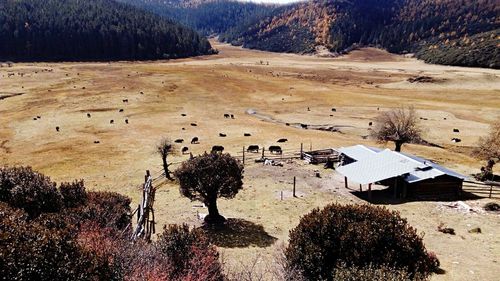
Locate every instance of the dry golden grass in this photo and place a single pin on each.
(358, 86)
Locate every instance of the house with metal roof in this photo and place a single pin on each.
(406, 174)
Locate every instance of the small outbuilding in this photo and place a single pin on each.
(408, 175)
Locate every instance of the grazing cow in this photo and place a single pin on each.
(217, 148)
(222, 135)
(334, 109)
(183, 114)
(121, 110)
(275, 149)
(444, 118)
(88, 115)
(308, 109)
(83, 88)
(282, 140)
(232, 116)
(183, 129)
(125, 100)
(111, 121)
(288, 124)
(34, 118)
(331, 115)
(57, 128)
(126, 121)
(96, 142)
(226, 115)
(247, 134)
(253, 148)
(456, 140)
(142, 93)
(179, 141)
(371, 123)
(194, 124)
(38, 116)
(456, 131)
(184, 150)
(195, 140)
(304, 126)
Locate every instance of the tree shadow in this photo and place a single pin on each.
(238, 233)
(386, 197)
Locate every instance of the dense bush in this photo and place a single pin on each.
(107, 209)
(86, 239)
(73, 194)
(189, 250)
(24, 188)
(36, 250)
(356, 235)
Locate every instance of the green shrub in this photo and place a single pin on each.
(190, 253)
(359, 236)
(73, 194)
(21, 187)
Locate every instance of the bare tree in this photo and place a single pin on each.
(165, 148)
(208, 177)
(488, 148)
(399, 126)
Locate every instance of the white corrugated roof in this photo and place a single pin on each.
(372, 167)
(359, 151)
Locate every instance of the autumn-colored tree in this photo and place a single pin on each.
(208, 177)
(164, 148)
(488, 148)
(399, 126)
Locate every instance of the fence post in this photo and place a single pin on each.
(243, 155)
(345, 182)
(301, 151)
(282, 195)
(294, 187)
(263, 148)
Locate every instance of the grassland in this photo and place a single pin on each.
(280, 87)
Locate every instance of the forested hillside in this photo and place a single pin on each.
(73, 30)
(448, 29)
(207, 17)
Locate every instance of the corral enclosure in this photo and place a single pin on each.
(100, 122)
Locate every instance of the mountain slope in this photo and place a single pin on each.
(55, 30)
(399, 26)
(205, 16)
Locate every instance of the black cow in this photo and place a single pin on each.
(111, 121)
(232, 116)
(275, 149)
(304, 126)
(121, 110)
(88, 115)
(194, 124)
(184, 149)
(226, 115)
(253, 148)
(334, 109)
(371, 123)
(125, 100)
(217, 148)
(183, 114)
(179, 141)
(96, 142)
(195, 140)
(456, 131)
(57, 128)
(126, 121)
(247, 134)
(222, 135)
(282, 140)
(456, 140)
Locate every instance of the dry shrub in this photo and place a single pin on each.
(356, 236)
